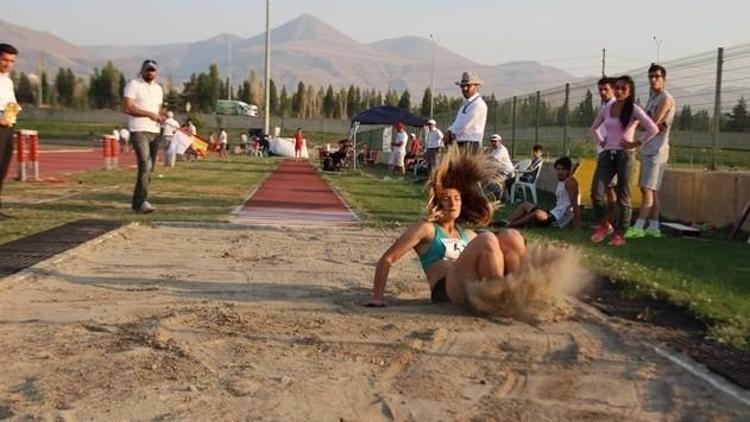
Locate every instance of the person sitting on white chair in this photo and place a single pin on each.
(527, 172)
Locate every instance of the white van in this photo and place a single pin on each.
(231, 107)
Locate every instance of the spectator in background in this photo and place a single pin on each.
(8, 108)
(620, 119)
(434, 145)
(530, 173)
(415, 147)
(191, 127)
(499, 154)
(654, 154)
(607, 95)
(244, 144)
(299, 142)
(143, 99)
(398, 149)
(566, 208)
(124, 137)
(223, 141)
(170, 127)
(536, 161)
(468, 127)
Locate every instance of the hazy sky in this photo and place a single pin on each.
(567, 34)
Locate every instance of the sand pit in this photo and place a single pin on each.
(228, 323)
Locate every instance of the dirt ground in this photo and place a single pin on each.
(230, 323)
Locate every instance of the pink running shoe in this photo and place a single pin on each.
(601, 233)
(617, 240)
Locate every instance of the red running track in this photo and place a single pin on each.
(54, 162)
(295, 194)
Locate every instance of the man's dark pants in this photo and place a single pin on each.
(609, 164)
(6, 155)
(145, 145)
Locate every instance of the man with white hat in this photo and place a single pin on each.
(143, 102)
(434, 145)
(468, 128)
(499, 155)
(170, 127)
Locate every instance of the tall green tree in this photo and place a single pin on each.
(284, 103)
(273, 98)
(299, 102)
(65, 86)
(24, 91)
(405, 101)
(426, 101)
(739, 120)
(685, 118)
(329, 102)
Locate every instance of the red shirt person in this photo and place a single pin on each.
(299, 141)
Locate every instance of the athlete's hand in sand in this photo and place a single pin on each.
(373, 304)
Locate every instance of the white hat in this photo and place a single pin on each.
(412, 135)
(469, 78)
(496, 137)
(431, 122)
(170, 114)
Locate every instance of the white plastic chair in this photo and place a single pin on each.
(522, 168)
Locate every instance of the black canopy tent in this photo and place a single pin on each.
(383, 115)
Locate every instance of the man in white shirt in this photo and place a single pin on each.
(398, 148)
(223, 141)
(433, 145)
(143, 101)
(170, 127)
(468, 128)
(8, 55)
(499, 154)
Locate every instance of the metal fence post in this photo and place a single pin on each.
(513, 128)
(566, 119)
(717, 107)
(536, 124)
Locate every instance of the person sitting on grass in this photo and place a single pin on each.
(566, 204)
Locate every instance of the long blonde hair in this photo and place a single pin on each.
(464, 171)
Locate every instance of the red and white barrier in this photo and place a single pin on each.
(33, 137)
(21, 155)
(108, 142)
(115, 152)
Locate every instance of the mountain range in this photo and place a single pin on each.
(305, 48)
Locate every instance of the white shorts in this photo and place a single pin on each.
(652, 172)
(397, 158)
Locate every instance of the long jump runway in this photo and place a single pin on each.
(295, 195)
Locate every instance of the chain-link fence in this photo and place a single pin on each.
(711, 127)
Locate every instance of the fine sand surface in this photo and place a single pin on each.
(231, 323)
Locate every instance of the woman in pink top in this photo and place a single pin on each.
(620, 120)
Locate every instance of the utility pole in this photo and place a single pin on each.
(432, 79)
(717, 107)
(40, 95)
(604, 62)
(658, 43)
(229, 54)
(267, 111)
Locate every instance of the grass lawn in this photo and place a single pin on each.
(196, 191)
(709, 275)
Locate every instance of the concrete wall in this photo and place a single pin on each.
(715, 197)
(209, 120)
